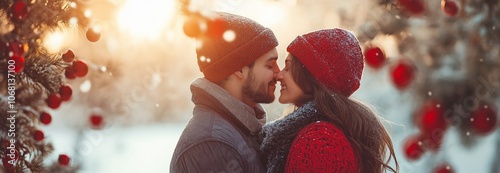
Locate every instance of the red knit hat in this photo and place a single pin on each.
(219, 58)
(332, 56)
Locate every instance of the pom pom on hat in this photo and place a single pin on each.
(332, 56)
(219, 57)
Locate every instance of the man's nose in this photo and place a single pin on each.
(278, 76)
(276, 69)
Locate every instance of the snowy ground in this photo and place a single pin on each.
(149, 148)
(144, 148)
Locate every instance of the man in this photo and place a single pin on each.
(239, 74)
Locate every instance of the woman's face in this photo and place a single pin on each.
(290, 92)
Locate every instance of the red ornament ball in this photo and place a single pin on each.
(413, 148)
(93, 34)
(19, 10)
(96, 120)
(54, 101)
(63, 159)
(402, 74)
(38, 135)
(431, 121)
(10, 158)
(80, 68)
(8, 164)
(484, 119)
(443, 168)
(216, 27)
(17, 48)
(17, 63)
(65, 91)
(45, 118)
(449, 7)
(68, 72)
(413, 6)
(432, 117)
(374, 57)
(192, 26)
(69, 56)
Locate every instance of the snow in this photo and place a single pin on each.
(143, 148)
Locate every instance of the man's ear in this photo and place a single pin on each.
(239, 74)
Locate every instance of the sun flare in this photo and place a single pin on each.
(54, 41)
(146, 18)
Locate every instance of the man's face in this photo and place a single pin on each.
(260, 82)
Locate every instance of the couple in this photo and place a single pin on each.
(327, 132)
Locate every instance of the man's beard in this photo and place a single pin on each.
(259, 93)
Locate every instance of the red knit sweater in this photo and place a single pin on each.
(321, 147)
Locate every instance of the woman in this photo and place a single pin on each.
(328, 131)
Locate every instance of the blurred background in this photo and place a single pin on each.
(103, 85)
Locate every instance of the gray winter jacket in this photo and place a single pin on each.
(222, 135)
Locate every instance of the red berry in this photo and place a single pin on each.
(374, 57)
(54, 101)
(80, 68)
(484, 119)
(19, 10)
(8, 163)
(69, 56)
(402, 74)
(449, 7)
(17, 48)
(413, 6)
(431, 120)
(413, 148)
(18, 63)
(96, 120)
(63, 159)
(68, 72)
(45, 118)
(10, 157)
(65, 91)
(443, 168)
(38, 135)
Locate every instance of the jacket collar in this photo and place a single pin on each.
(244, 113)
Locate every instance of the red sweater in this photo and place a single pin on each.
(321, 147)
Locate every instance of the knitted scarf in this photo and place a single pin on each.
(280, 134)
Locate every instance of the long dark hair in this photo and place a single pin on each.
(361, 126)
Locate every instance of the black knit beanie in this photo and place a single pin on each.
(219, 55)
